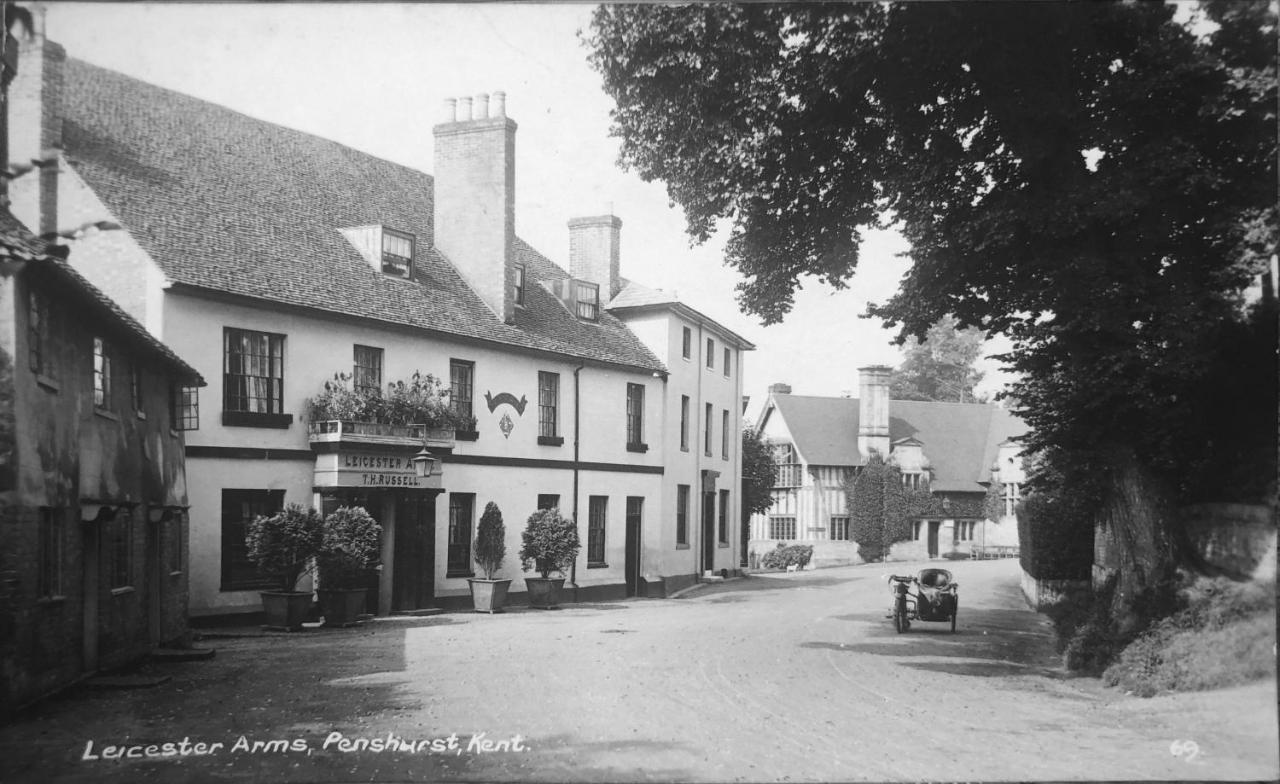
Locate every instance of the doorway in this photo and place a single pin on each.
(414, 559)
(635, 508)
(934, 525)
(708, 531)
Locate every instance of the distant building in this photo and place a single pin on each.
(955, 450)
(274, 259)
(93, 494)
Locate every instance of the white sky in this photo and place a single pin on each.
(373, 76)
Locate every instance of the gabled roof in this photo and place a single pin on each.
(226, 203)
(961, 440)
(19, 246)
(635, 298)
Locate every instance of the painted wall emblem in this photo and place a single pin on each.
(506, 424)
(506, 397)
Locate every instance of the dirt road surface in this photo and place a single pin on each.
(779, 677)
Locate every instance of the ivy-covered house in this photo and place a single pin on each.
(275, 260)
(960, 462)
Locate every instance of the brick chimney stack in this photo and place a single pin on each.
(594, 252)
(873, 410)
(779, 389)
(475, 188)
(35, 128)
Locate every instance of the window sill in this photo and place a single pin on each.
(106, 414)
(597, 566)
(684, 449)
(48, 383)
(639, 447)
(121, 591)
(723, 544)
(173, 433)
(680, 546)
(551, 440)
(176, 574)
(466, 435)
(141, 415)
(453, 575)
(256, 419)
(51, 601)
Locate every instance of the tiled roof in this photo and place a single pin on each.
(637, 297)
(959, 439)
(225, 202)
(19, 245)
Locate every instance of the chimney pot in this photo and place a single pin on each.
(480, 108)
(449, 110)
(498, 105)
(464, 109)
(780, 389)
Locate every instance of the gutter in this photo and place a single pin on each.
(577, 412)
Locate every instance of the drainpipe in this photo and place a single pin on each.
(698, 411)
(577, 410)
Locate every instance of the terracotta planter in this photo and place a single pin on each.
(544, 592)
(488, 595)
(342, 606)
(285, 610)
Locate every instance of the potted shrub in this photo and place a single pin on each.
(550, 544)
(283, 546)
(349, 545)
(487, 594)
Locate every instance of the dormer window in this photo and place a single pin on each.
(588, 299)
(518, 289)
(397, 253)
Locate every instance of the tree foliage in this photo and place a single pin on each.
(758, 473)
(1095, 181)
(549, 542)
(282, 545)
(941, 366)
(350, 546)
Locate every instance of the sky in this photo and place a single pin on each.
(374, 76)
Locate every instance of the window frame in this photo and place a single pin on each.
(392, 268)
(49, 553)
(838, 523)
(687, 343)
(785, 523)
(103, 400)
(635, 418)
(458, 558)
(231, 570)
(597, 523)
(728, 360)
(548, 498)
(724, 434)
(586, 309)
(136, 397)
(184, 407)
(684, 423)
(40, 330)
(711, 353)
(361, 371)
(682, 515)
(519, 276)
(549, 409)
(246, 414)
(708, 414)
(462, 404)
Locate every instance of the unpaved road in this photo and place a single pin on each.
(786, 677)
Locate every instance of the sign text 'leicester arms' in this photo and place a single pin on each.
(362, 469)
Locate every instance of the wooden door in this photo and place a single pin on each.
(635, 509)
(413, 578)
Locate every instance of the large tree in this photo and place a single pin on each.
(1095, 181)
(940, 367)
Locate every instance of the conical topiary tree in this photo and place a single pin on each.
(491, 544)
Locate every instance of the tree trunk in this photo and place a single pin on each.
(1140, 519)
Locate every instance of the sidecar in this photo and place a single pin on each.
(935, 599)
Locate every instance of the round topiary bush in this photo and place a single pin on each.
(283, 544)
(550, 542)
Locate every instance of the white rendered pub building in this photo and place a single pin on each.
(272, 259)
